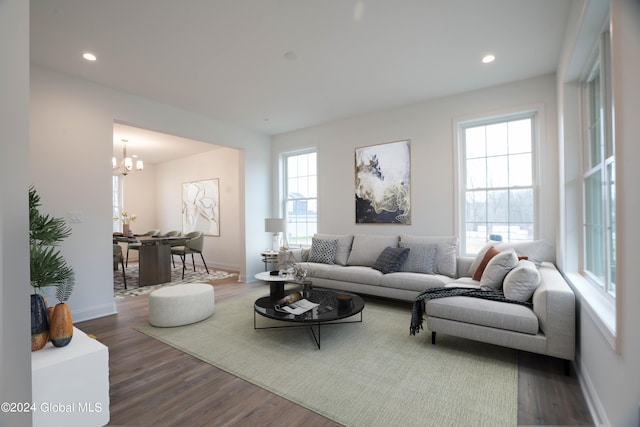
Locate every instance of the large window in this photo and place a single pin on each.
(301, 197)
(598, 177)
(497, 180)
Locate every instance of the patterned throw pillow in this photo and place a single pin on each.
(323, 251)
(421, 259)
(391, 259)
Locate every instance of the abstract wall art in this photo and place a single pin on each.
(383, 183)
(201, 207)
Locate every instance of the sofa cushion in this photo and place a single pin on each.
(391, 259)
(416, 282)
(488, 254)
(355, 274)
(493, 314)
(421, 259)
(520, 283)
(323, 251)
(344, 246)
(366, 248)
(497, 269)
(536, 251)
(446, 252)
(318, 270)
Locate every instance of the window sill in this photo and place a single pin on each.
(598, 307)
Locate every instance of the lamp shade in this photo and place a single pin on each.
(275, 225)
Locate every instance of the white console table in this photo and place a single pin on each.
(70, 385)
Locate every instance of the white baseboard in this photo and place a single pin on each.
(94, 312)
(591, 396)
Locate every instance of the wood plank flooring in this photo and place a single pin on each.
(153, 384)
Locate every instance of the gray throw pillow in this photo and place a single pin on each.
(421, 259)
(344, 246)
(391, 259)
(497, 269)
(323, 251)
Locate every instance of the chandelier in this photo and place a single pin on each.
(125, 165)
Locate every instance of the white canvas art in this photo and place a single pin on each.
(383, 183)
(201, 207)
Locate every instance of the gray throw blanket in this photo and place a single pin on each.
(433, 293)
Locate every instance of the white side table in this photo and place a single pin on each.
(70, 385)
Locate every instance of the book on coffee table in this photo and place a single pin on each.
(298, 307)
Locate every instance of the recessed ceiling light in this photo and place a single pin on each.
(488, 58)
(89, 56)
(291, 55)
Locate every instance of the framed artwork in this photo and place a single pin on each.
(201, 207)
(383, 183)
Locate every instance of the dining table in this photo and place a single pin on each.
(154, 262)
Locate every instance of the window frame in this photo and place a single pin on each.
(533, 113)
(284, 157)
(600, 63)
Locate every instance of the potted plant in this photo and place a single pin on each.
(47, 268)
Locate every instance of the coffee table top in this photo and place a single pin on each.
(327, 311)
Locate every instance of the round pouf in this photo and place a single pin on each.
(180, 304)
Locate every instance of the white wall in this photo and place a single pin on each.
(610, 369)
(430, 127)
(71, 144)
(222, 251)
(15, 360)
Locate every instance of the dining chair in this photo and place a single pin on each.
(136, 246)
(119, 259)
(172, 243)
(193, 245)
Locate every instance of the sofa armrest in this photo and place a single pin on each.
(297, 255)
(554, 304)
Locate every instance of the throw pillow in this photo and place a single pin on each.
(521, 282)
(391, 259)
(344, 246)
(323, 251)
(446, 252)
(479, 256)
(497, 269)
(421, 259)
(488, 254)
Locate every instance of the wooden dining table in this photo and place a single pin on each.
(154, 262)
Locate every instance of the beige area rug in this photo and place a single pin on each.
(366, 374)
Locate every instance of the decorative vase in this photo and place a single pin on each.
(61, 328)
(125, 230)
(39, 322)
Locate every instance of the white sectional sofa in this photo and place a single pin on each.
(354, 263)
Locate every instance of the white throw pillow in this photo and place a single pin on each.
(497, 269)
(521, 282)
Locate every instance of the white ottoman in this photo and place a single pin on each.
(181, 304)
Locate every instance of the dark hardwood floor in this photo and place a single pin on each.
(153, 384)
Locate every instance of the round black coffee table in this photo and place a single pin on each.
(329, 311)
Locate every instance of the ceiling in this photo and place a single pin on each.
(275, 66)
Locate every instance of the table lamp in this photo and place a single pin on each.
(275, 226)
